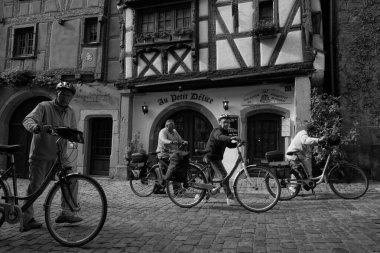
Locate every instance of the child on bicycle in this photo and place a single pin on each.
(302, 144)
(218, 141)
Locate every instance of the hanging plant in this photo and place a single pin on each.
(45, 80)
(16, 78)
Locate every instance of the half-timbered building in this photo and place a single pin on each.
(192, 60)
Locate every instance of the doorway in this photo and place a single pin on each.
(19, 135)
(193, 127)
(263, 135)
(100, 143)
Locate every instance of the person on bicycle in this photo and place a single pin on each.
(168, 143)
(303, 144)
(216, 144)
(43, 150)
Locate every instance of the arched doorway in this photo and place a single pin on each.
(263, 135)
(193, 127)
(18, 134)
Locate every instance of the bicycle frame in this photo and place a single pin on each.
(30, 199)
(314, 181)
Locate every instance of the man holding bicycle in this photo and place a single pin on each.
(43, 151)
(216, 144)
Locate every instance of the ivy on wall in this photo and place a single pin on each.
(360, 78)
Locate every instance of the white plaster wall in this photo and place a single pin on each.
(203, 8)
(203, 59)
(291, 51)
(302, 95)
(203, 31)
(128, 67)
(315, 5)
(143, 122)
(245, 17)
(128, 17)
(225, 13)
(128, 42)
(284, 7)
(297, 18)
(266, 49)
(225, 58)
(245, 47)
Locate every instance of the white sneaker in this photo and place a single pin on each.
(230, 202)
(197, 197)
(292, 189)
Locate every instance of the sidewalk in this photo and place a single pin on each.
(321, 223)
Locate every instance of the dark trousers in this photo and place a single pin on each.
(218, 167)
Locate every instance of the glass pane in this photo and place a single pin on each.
(151, 27)
(151, 18)
(266, 11)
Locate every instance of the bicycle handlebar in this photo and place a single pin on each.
(67, 133)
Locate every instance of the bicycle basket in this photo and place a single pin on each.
(139, 157)
(274, 156)
(69, 134)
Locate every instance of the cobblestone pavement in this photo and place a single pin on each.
(321, 223)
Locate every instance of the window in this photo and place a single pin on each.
(91, 31)
(266, 12)
(24, 39)
(164, 22)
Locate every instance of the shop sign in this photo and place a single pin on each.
(234, 125)
(192, 96)
(267, 96)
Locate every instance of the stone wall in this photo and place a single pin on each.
(358, 47)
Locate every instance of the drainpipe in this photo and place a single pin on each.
(332, 47)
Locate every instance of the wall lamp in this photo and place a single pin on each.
(144, 109)
(225, 104)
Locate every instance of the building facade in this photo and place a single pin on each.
(192, 60)
(76, 41)
(357, 75)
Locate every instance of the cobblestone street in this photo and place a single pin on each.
(321, 223)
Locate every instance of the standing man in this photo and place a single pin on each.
(43, 151)
(216, 144)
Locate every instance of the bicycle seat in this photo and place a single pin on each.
(10, 148)
(202, 151)
(291, 153)
(153, 153)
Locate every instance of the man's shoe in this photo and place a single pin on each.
(32, 224)
(197, 197)
(68, 219)
(231, 202)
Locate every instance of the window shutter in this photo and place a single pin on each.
(34, 49)
(11, 41)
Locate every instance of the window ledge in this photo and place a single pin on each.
(166, 42)
(23, 57)
(92, 44)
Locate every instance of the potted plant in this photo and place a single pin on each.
(265, 28)
(182, 34)
(145, 38)
(162, 36)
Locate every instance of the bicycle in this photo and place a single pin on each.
(345, 179)
(249, 185)
(80, 194)
(145, 174)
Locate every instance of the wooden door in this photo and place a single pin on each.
(263, 135)
(100, 144)
(193, 127)
(19, 135)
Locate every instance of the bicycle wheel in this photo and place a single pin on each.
(348, 181)
(187, 196)
(3, 199)
(289, 187)
(143, 187)
(251, 190)
(89, 200)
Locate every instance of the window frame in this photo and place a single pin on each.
(98, 41)
(173, 13)
(275, 19)
(13, 41)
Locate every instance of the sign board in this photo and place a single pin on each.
(285, 127)
(267, 96)
(233, 129)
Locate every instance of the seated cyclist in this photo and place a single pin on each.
(216, 144)
(303, 144)
(168, 140)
